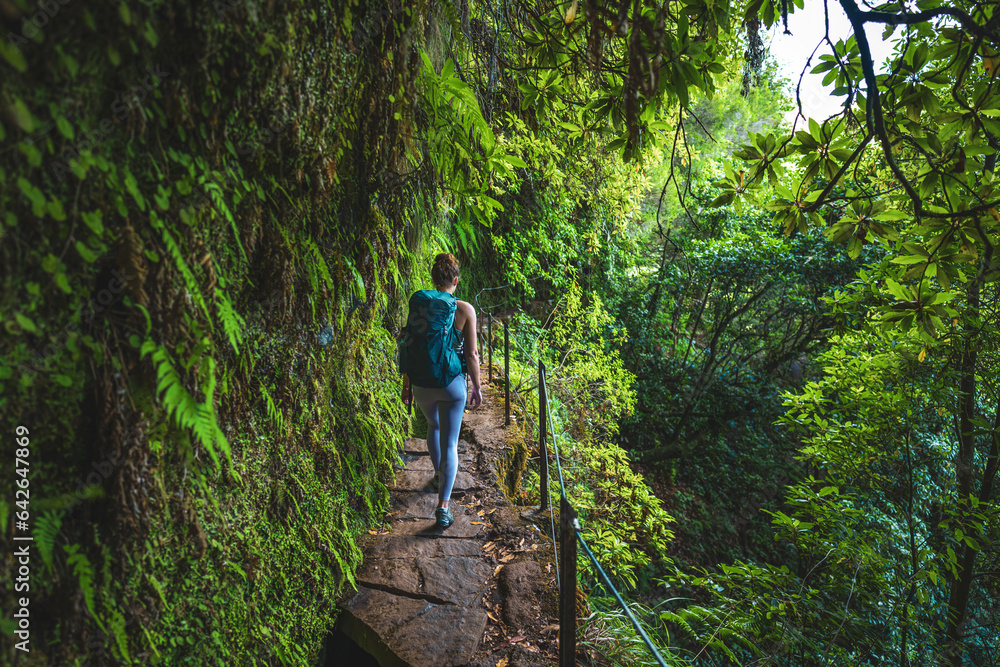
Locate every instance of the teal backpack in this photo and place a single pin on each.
(426, 346)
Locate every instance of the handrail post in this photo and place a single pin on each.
(567, 593)
(489, 344)
(543, 452)
(506, 373)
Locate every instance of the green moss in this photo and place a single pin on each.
(512, 465)
(207, 463)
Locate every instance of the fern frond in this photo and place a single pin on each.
(466, 105)
(190, 282)
(84, 571)
(319, 264)
(182, 407)
(45, 532)
(117, 624)
(273, 413)
(219, 200)
(380, 295)
(232, 323)
(208, 429)
(318, 270)
(359, 282)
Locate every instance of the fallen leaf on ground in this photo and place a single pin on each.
(476, 523)
(502, 662)
(495, 619)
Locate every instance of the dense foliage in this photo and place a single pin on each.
(724, 315)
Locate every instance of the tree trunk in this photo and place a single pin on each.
(958, 598)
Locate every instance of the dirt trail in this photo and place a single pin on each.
(479, 593)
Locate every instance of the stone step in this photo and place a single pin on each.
(418, 446)
(403, 631)
(409, 505)
(420, 480)
(427, 528)
(424, 462)
(412, 546)
(457, 580)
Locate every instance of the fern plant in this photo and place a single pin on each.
(609, 632)
(463, 149)
(318, 271)
(219, 202)
(117, 623)
(714, 629)
(84, 571)
(273, 412)
(190, 282)
(232, 323)
(46, 530)
(182, 407)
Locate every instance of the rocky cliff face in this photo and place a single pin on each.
(207, 224)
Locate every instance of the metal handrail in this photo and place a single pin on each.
(569, 525)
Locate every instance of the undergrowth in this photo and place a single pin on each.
(588, 392)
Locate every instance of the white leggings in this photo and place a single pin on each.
(443, 407)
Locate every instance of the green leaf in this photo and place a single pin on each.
(891, 216)
(940, 297)
(88, 255)
(93, 220)
(50, 263)
(133, 187)
(514, 161)
(26, 323)
(31, 152)
(65, 127)
(62, 283)
(55, 209)
(33, 194)
(22, 117)
(898, 291)
(909, 259)
(12, 55)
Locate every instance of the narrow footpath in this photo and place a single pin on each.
(480, 592)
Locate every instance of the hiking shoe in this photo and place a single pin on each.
(444, 517)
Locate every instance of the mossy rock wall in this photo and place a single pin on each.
(207, 225)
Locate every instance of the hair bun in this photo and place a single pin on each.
(445, 269)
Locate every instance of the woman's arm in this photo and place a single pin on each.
(472, 352)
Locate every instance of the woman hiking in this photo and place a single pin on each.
(432, 371)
